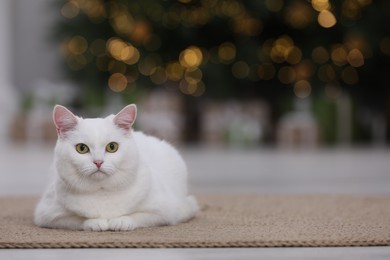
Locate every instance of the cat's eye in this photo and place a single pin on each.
(112, 147)
(82, 148)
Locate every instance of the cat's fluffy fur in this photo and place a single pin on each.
(142, 184)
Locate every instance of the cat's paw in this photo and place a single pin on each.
(97, 224)
(123, 223)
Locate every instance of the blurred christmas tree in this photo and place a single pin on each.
(225, 48)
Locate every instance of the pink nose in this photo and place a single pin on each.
(98, 163)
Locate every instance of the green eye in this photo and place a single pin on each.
(112, 147)
(82, 148)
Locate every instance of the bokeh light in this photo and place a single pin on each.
(70, 9)
(226, 52)
(299, 15)
(117, 82)
(326, 19)
(191, 57)
(320, 5)
(355, 58)
(339, 55)
(302, 89)
(144, 45)
(77, 45)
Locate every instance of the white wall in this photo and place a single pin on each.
(27, 57)
(7, 91)
(34, 56)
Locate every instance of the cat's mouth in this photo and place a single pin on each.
(99, 174)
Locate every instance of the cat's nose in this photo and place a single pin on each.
(98, 163)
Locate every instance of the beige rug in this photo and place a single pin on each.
(225, 221)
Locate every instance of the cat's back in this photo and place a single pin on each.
(159, 154)
(154, 146)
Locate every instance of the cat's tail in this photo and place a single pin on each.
(189, 208)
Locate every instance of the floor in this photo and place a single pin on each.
(340, 170)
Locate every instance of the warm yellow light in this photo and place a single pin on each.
(123, 23)
(115, 47)
(141, 31)
(175, 71)
(77, 45)
(320, 5)
(294, 56)
(94, 9)
(193, 76)
(130, 55)
(282, 48)
(194, 89)
(339, 55)
(304, 70)
(127, 53)
(226, 52)
(191, 57)
(70, 10)
(299, 14)
(355, 58)
(159, 76)
(302, 89)
(117, 82)
(123, 51)
(200, 89)
(326, 19)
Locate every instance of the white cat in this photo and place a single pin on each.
(109, 177)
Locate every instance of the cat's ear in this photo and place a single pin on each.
(126, 117)
(64, 120)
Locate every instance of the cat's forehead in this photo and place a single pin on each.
(96, 129)
(93, 124)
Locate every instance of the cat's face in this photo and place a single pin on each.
(99, 151)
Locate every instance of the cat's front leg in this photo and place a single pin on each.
(95, 224)
(124, 223)
(135, 220)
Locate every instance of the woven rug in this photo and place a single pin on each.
(225, 221)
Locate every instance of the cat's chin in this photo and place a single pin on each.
(99, 175)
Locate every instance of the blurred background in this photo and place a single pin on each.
(208, 75)
(224, 72)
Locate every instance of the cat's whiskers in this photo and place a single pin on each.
(88, 170)
(109, 170)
